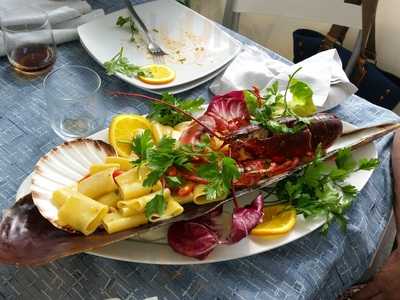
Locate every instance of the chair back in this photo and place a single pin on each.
(324, 11)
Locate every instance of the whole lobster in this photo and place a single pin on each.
(258, 152)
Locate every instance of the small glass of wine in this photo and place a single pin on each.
(74, 101)
(28, 40)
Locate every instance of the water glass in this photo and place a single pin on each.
(28, 40)
(74, 101)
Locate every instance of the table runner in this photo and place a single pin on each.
(314, 267)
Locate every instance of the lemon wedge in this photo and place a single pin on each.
(160, 74)
(278, 220)
(123, 129)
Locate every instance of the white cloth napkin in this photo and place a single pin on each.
(323, 72)
(64, 15)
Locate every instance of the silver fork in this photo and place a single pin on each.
(152, 46)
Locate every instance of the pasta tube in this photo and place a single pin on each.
(136, 189)
(200, 195)
(184, 199)
(137, 174)
(98, 184)
(138, 205)
(124, 163)
(109, 199)
(61, 195)
(96, 168)
(173, 209)
(81, 213)
(115, 222)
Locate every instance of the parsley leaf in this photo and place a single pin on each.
(141, 144)
(251, 102)
(174, 181)
(164, 115)
(156, 205)
(302, 103)
(121, 21)
(344, 160)
(220, 175)
(368, 164)
(120, 64)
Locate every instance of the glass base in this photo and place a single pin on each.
(73, 128)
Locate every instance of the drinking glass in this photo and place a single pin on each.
(74, 101)
(28, 40)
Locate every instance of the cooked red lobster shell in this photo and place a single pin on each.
(255, 142)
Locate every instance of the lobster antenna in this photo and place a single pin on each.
(152, 99)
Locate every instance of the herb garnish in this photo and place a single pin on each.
(156, 205)
(141, 144)
(121, 21)
(120, 64)
(220, 173)
(166, 116)
(266, 109)
(320, 188)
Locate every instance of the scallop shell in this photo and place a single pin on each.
(64, 166)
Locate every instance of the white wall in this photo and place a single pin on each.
(276, 32)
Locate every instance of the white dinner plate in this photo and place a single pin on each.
(152, 248)
(196, 46)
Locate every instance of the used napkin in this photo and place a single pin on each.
(64, 16)
(323, 72)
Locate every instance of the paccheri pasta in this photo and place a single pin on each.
(113, 197)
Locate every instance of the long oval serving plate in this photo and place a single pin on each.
(152, 248)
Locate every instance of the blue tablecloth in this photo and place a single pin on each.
(314, 267)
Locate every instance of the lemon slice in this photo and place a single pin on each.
(160, 74)
(122, 130)
(278, 219)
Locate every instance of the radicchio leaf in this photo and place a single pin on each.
(198, 237)
(229, 111)
(245, 219)
(224, 114)
(192, 239)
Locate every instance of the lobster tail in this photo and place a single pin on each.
(325, 129)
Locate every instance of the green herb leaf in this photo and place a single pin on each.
(174, 181)
(344, 160)
(302, 103)
(156, 205)
(368, 164)
(141, 145)
(251, 102)
(220, 175)
(121, 21)
(166, 116)
(120, 64)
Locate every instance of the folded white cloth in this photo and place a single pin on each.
(64, 16)
(323, 72)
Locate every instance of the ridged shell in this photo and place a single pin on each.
(61, 167)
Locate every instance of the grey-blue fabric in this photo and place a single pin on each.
(314, 267)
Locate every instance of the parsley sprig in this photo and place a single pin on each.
(320, 189)
(120, 64)
(166, 116)
(122, 21)
(220, 173)
(266, 109)
(156, 205)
